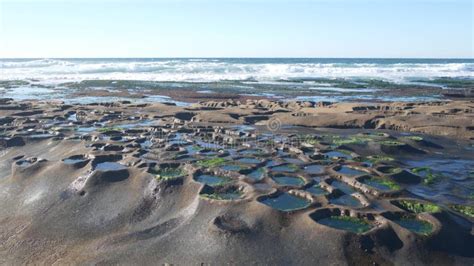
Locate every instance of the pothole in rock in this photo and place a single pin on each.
(26, 162)
(341, 186)
(314, 169)
(349, 171)
(222, 193)
(41, 136)
(412, 223)
(415, 206)
(192, 149)
(288, 180)
(76, 160)
(289, 168)
(271, 163)
(255, 175)
(294, 161)
(346, 200)
(317, 190)
(255, 152)
(415, 225)
(463, 209)
(247, 160)
(231, 167)
(208, 145)
(212, 162)
(379, 183)
(211, 180)
(338, 155)
(386, 169)
(356, 225)
(232, 224)
(109, 166)
(179, 142)
(167, 171)
(208, 153)
(399, 174)
(285, 202)
(371, 160)
(397, 147)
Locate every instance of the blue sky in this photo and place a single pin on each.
(213, 28)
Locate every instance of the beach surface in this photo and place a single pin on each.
(245, 180)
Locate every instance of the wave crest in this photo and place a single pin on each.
(222, 69)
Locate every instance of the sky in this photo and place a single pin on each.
(245, 28)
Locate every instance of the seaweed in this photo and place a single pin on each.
(466, 210)
(352, 140)
(418, 207)
(225, 195)
(364, 225)
(420, 227)
(414, 138)
(379, 158)
(210, 163)
(386, 182)
(107, 129)
(169, 173)
(293, 167)
(428, 176)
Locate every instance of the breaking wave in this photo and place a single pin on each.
(193, 70)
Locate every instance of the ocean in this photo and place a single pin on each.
(324, 78)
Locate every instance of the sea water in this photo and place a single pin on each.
(318, 78)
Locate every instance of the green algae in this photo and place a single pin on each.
(415, 225)
(212, 180)
(257, 175)
(169, 173)
(379, 158)
(390, 170)
(428, 176)
(212, 162)
(107, 129)
(381, 183)
(225, 195)
(466, 210)
(351, 140)
(288, 180)
(418, 207)
(414, 138)
(285, 168)
(352, 224)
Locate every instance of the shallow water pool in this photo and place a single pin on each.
(286, 202)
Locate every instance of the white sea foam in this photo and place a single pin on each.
(192, 70)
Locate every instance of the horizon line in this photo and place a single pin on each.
(243, 57)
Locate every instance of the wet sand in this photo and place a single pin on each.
(240, 181)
